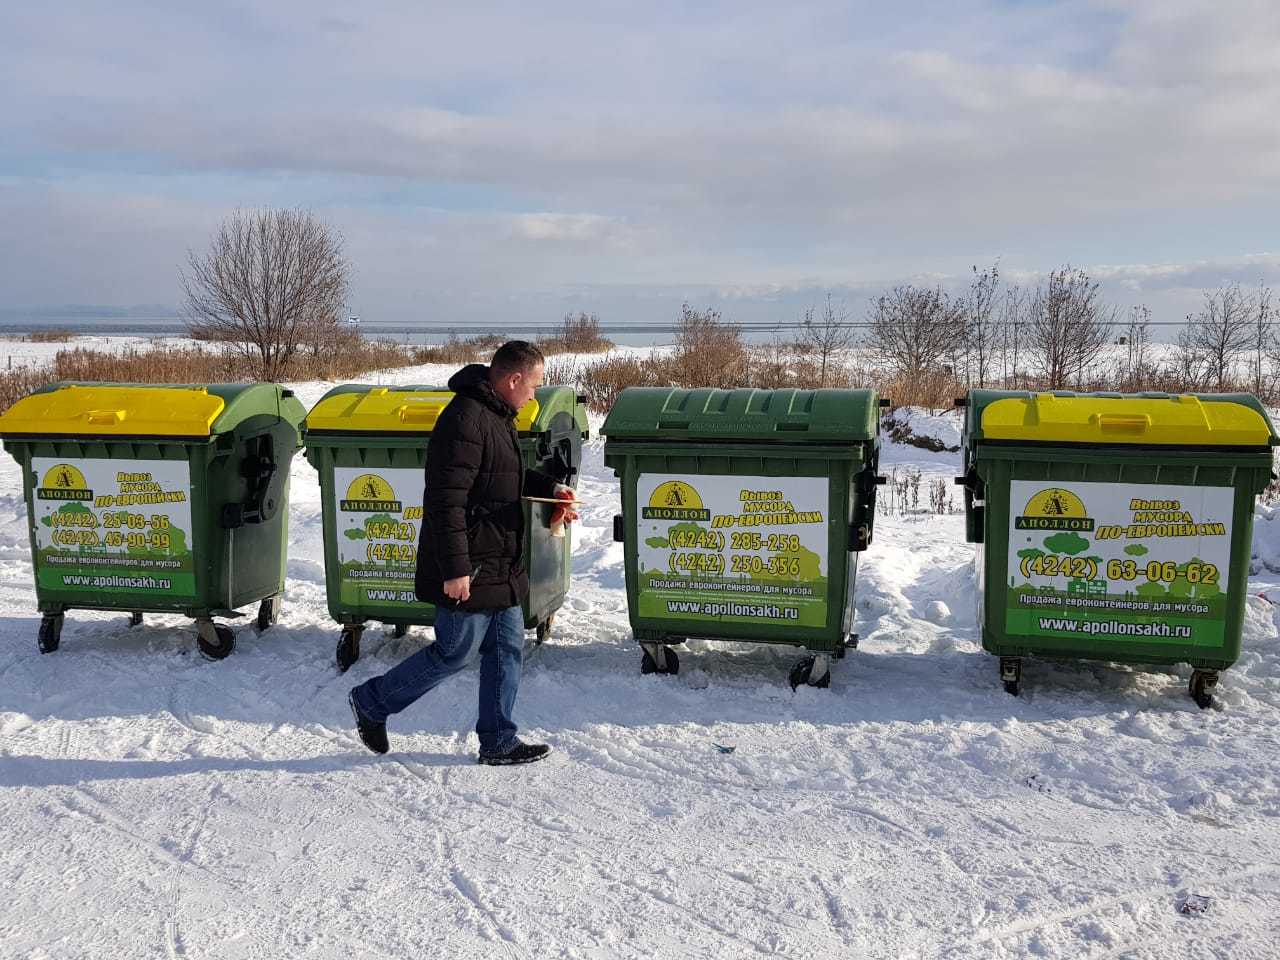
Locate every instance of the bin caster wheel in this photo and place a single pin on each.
(808, 670)
(659, 658)
(214, 640)
(397, 631)
(541, 632)
(348, 647)
(1010, 674)
(135, 618)
(50, 633)
(268, 613)
(1201, 687)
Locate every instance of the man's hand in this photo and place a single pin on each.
(458, 589)
(566, 513)
(563, 514)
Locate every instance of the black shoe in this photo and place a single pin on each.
(372, 735)
(520, 752)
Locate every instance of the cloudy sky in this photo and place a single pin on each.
(520, 160)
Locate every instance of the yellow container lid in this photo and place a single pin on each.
(115, 411)
(1182, 420)
(388, 410)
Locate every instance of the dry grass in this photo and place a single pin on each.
(353, 358)
(50, 336)
(16, 384)
(457, 350)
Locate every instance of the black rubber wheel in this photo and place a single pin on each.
(1199, 692)
(1011, 687)
(135, 618)
(649, 665)
(268, 614)
(800, 675)
(398, 631)
(222, 648)
(541, 632)
(348, 651)
(50, 634)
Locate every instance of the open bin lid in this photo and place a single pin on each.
(1147, 419)
(132, 410)
(361, 408)
(781, 416)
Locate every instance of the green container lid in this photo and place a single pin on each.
(781, 416)
(1235, 420)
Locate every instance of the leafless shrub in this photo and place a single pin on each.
(709, 352)
(577, 334)
(268, 278)
(602, 380)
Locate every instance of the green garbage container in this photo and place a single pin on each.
(369, 445)
(1114, 527)
(156, 499)
(743, 512)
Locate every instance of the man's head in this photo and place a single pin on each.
(516, 372)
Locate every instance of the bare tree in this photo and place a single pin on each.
(1262, 335)
(1013, 320)
(1220, 334)
(1137, 343)
(1069, 327)
(828, 334)
(912, 329)
(982, 323)
(272, 279)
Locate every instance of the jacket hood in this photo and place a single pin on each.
(473, 381)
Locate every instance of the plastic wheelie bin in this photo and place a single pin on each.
(743, 513)
(369, 445)
(1114, 527)
(164, 499)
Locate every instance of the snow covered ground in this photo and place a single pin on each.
(157, 805)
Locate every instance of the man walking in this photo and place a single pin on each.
(469, 556)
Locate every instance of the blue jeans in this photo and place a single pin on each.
(497, 634)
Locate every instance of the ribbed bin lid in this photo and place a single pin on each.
(1171, 420)
(361, 408)
(791, 416)
(94, 410)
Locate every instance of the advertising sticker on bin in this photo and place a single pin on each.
(1119, 561)
(733, 548)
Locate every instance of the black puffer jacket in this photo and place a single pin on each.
(472, 516)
